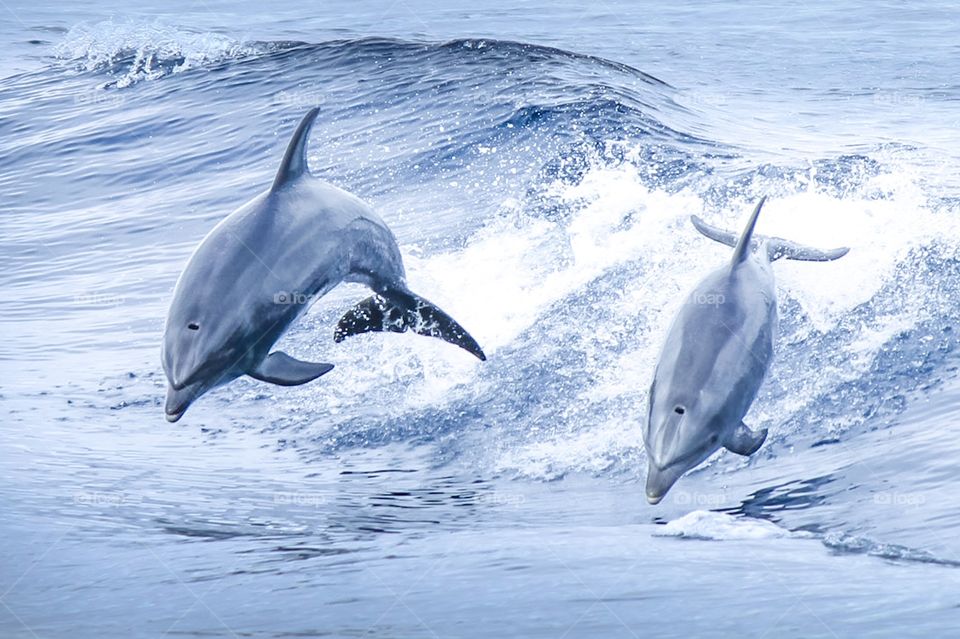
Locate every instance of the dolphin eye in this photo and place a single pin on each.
(679, 410)
(193, 326)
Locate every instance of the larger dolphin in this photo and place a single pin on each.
(715, 357)
(260, 268)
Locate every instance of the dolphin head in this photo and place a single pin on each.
(681, 433)
(200, 351)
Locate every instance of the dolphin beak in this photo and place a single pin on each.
(178, 400)
(660, 481)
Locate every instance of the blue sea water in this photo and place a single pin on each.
(538, 163)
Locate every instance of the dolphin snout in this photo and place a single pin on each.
(660, 481)
(176, 375)
(178, 400)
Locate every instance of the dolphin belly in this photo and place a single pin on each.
(711, 367)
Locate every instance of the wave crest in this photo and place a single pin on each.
(136, 51)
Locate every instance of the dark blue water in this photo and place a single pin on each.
(538, 165)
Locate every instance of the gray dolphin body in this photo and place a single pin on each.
(715, 357)
(260, 268)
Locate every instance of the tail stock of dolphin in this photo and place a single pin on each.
(776, 247)
(397, 310)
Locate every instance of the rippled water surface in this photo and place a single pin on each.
(538, 165)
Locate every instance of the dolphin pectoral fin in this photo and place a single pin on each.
(279, 368)
(404, 311)
(744, 441)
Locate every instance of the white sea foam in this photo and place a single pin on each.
(518, 270)
(709, 525)
(509, 283)
(147, 50)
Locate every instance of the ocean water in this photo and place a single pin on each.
(538, 163)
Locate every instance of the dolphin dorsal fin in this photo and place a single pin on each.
(294, 163)
(742, 250)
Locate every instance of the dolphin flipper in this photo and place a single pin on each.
(398, 311)
(279, 368)
(744, 441)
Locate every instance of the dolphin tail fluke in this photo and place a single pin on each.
(744, 441)
(279, 368)
(776, 247)
(741, 247)
(398, 311)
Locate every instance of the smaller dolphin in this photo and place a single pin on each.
(263, 265)
(715, 357)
